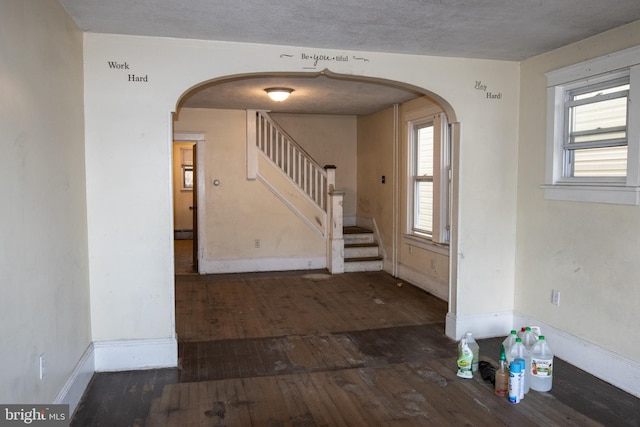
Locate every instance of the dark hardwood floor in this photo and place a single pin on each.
(311, 349)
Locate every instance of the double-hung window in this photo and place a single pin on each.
(428, 184)
(596, 136)
(423, 179)
(593, 131)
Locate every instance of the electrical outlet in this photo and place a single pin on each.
(42, 365)
(257, 243)
(433, 264)
(555, 297)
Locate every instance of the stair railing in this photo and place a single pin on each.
(291, 159)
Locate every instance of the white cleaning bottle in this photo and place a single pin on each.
(509, 340)
(541, 366)
(529, 338)
(520, 351)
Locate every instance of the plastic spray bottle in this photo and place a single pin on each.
(475, 349)
(502, 375)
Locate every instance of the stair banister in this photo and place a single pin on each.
(286, 154)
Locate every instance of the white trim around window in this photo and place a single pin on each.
(562, 186)
(440, 227)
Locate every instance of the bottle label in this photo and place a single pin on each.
(514, 387)
(464, 366)
(465, 362)
(502, 382)
(541, 367)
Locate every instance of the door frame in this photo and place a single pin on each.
(198, 138)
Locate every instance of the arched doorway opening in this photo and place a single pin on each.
(237, 93)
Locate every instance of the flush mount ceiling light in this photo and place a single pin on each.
(278, 93)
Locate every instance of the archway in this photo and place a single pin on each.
(398, 224)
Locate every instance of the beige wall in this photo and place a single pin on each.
(44, 273)
(419, 262)
(330, 140)
(587, 251)
(375, 159)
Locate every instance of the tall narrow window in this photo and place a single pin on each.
(423, 180)
(429, 178)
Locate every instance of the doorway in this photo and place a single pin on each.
(185, 202)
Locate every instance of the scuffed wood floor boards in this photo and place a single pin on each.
(311, 349)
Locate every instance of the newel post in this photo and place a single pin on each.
(335, 238)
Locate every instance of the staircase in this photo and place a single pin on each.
(361, 251)
(308, 190)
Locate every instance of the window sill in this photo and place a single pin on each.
(426, 244)
(612, 194)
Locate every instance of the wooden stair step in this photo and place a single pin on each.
(360, 259)
(360, 245)
(355, 230)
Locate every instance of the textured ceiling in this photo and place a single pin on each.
(492, 29)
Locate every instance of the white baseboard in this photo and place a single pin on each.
(485, 325)
(607, 365)
(72, 391)
(424, 282)
(124, 355)
(261, 264)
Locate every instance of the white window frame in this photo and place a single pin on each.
(441, 172)
(559, 82)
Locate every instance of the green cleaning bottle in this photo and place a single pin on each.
(465, 359)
